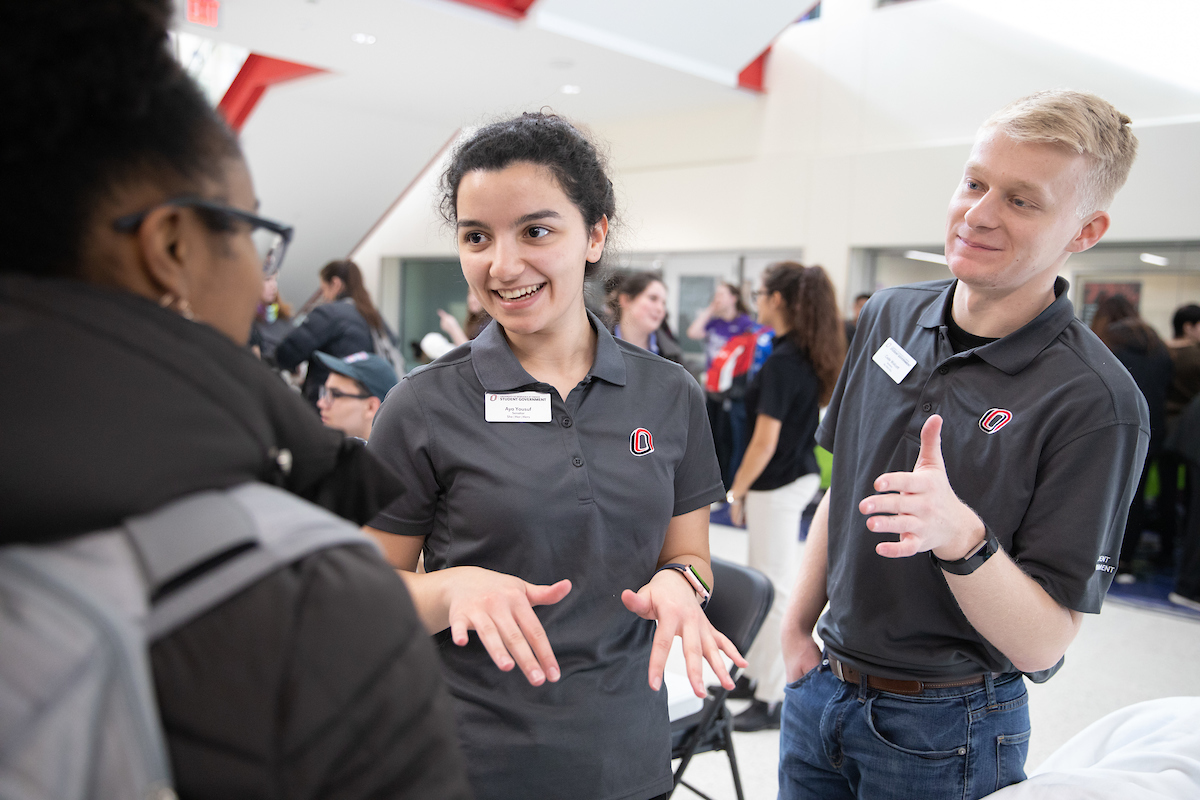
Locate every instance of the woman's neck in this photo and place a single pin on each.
(636, 336)
(561, 357)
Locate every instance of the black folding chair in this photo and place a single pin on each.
(741, 599)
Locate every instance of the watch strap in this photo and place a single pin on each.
(702, 589)
(965, 566)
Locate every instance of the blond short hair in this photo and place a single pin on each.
(1084, 124)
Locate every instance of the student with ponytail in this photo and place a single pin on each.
(779, 476)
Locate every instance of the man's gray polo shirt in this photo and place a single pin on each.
(1044, 437)
(587, 496)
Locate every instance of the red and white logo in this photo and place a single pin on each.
(994, 420)
(641, 442)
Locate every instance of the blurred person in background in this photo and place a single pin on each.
(779, 475)
(724, 326)
(1138, 347)
(272, 321)
(1174, 505)
(353, 392)
(638, 308)
(128, 289)
(341, 325)
(477, 320)
(852, 323)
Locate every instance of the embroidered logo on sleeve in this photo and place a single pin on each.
(994, 420)
(641, 442)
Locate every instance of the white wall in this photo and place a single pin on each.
(298, 174)
(861, 136)
(411, 228)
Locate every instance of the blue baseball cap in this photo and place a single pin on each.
(375, 374)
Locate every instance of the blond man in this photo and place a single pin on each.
(986, 447)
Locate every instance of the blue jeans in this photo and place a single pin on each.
(839, 740)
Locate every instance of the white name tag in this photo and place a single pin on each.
(894, 361)
(516, 407)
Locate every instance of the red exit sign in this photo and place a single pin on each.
(203, 12)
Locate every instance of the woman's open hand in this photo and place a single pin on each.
(670, 600)
(499, 608)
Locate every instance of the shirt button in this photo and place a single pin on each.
(566, 422)
(943, 370)
(577, 461)
(927, 407)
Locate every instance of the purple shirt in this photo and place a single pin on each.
(719, 331)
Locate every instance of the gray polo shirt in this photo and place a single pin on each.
(586, 496)
(1044, 437)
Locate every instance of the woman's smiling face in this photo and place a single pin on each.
(523, 246)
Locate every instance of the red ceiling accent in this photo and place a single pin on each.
(752, 76)
(513, 9)
(203, 12)
(255, 76)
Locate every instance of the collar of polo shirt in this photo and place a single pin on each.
(1012, 353)
(500, 371)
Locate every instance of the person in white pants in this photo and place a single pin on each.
(778, 476)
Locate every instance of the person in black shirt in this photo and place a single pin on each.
(978, 496)
(779, 475)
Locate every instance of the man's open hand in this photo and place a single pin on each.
(922, 507)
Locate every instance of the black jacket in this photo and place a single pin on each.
(335, 328)
(318, 681)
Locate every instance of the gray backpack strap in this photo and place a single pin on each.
(78, 718)
(204, 549)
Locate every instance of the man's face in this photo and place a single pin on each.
(1012, 223)
(349, 414)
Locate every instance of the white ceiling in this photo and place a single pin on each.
(330, 153)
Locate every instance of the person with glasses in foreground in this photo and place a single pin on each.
(132, 267)
(985, 448)
(353, 391)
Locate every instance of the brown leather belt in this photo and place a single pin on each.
(849, 674)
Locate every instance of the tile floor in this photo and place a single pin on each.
(1124, 655)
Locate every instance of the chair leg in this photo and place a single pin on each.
(733, 766)
(694, 790)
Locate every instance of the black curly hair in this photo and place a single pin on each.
(547, 140)
(93, 100)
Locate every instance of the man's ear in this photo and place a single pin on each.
(373, 404)
(1091, 232)
(166, 244)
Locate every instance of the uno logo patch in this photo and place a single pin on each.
(994, 420)
(641, 442)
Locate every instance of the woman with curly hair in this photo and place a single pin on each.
(558, 483)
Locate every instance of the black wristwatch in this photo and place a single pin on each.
(965, 566)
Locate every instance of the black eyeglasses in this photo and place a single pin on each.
(325, 393)
(270, 238)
